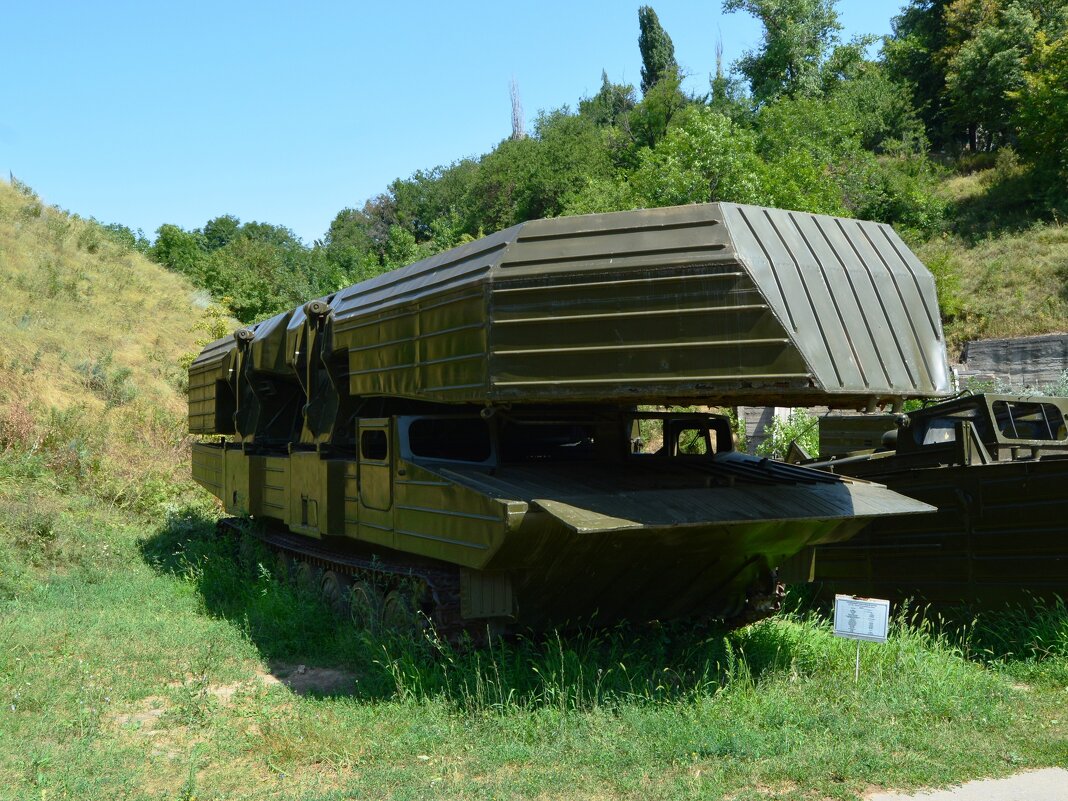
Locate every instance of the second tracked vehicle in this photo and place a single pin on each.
(995, 466)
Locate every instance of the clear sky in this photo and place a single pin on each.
(152, 112)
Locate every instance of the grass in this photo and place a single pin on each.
(1002, 265)
(138, 662)
(92, 340)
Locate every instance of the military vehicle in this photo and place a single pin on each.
(464, 438)
(995, 466)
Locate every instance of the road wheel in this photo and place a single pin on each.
(283, 567)
(334, 589)
(399, 612)
(365, 605)
(306, 576)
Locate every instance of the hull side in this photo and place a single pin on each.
(1000, 535)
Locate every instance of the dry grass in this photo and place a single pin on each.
(92, 342)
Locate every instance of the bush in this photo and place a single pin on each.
(800, 425)
(896, 191)
(111, 384)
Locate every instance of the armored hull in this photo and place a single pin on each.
(478, 410)
(996, 468)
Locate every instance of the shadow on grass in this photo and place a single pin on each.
(581, 670)
(235, 578)
(1011, 205)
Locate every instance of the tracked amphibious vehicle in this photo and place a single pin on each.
(465, 437)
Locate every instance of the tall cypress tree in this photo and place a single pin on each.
(658, 53)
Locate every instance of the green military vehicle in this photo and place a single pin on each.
(995, 466)
(466, 438)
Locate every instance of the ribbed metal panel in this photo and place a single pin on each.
(708, 303)
(680, 495)
(444, 272)
(212, 365)
(856, 302)
(1000, 535)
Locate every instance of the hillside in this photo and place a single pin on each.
(92, 341)
(1002, 269)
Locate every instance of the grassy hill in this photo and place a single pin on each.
(92, 342)
(1002, 269)
(144, 657)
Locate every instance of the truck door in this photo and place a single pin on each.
(375, 444)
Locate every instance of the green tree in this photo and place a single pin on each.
(530, 178)
(181, 251)
(985, 73)
(914, 56)
(703, 157)
(610, 106)
(1043, 111)
(658, 53)
(797, 37)
(128, 238)
(220, 231)
(650, 119)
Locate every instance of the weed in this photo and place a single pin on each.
(112, 384)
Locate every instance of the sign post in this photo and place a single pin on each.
(861, 619)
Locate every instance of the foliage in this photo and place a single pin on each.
(648, 122)
(1043, 109)
(987, 69)
(797, 37)
(610, 106)
(259, 268)
(798, 426)
(966, 64)
(658, 53)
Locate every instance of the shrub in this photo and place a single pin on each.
(800, 425)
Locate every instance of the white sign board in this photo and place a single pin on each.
(861, 618)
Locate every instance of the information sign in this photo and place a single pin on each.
(861, 618)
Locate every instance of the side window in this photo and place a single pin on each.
(374, 445)
(939, 430)
(459, 439)
(680, 437)
(530, 441)
(1019, 420)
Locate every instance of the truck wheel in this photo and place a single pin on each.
(306, 577)
(399, 612)
(283, 567)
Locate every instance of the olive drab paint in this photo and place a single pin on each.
(479, 408)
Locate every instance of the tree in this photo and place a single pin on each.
(220, 231)
(1043, 112)
(726, 94)
(658, 53)
(914, 55)
(610, 106)
(987, 70)
(650, 119)
(530, 178)
(797, 36)
(181, 251)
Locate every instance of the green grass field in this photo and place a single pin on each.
(158, 660)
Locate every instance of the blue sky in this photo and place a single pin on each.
(150, 112)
